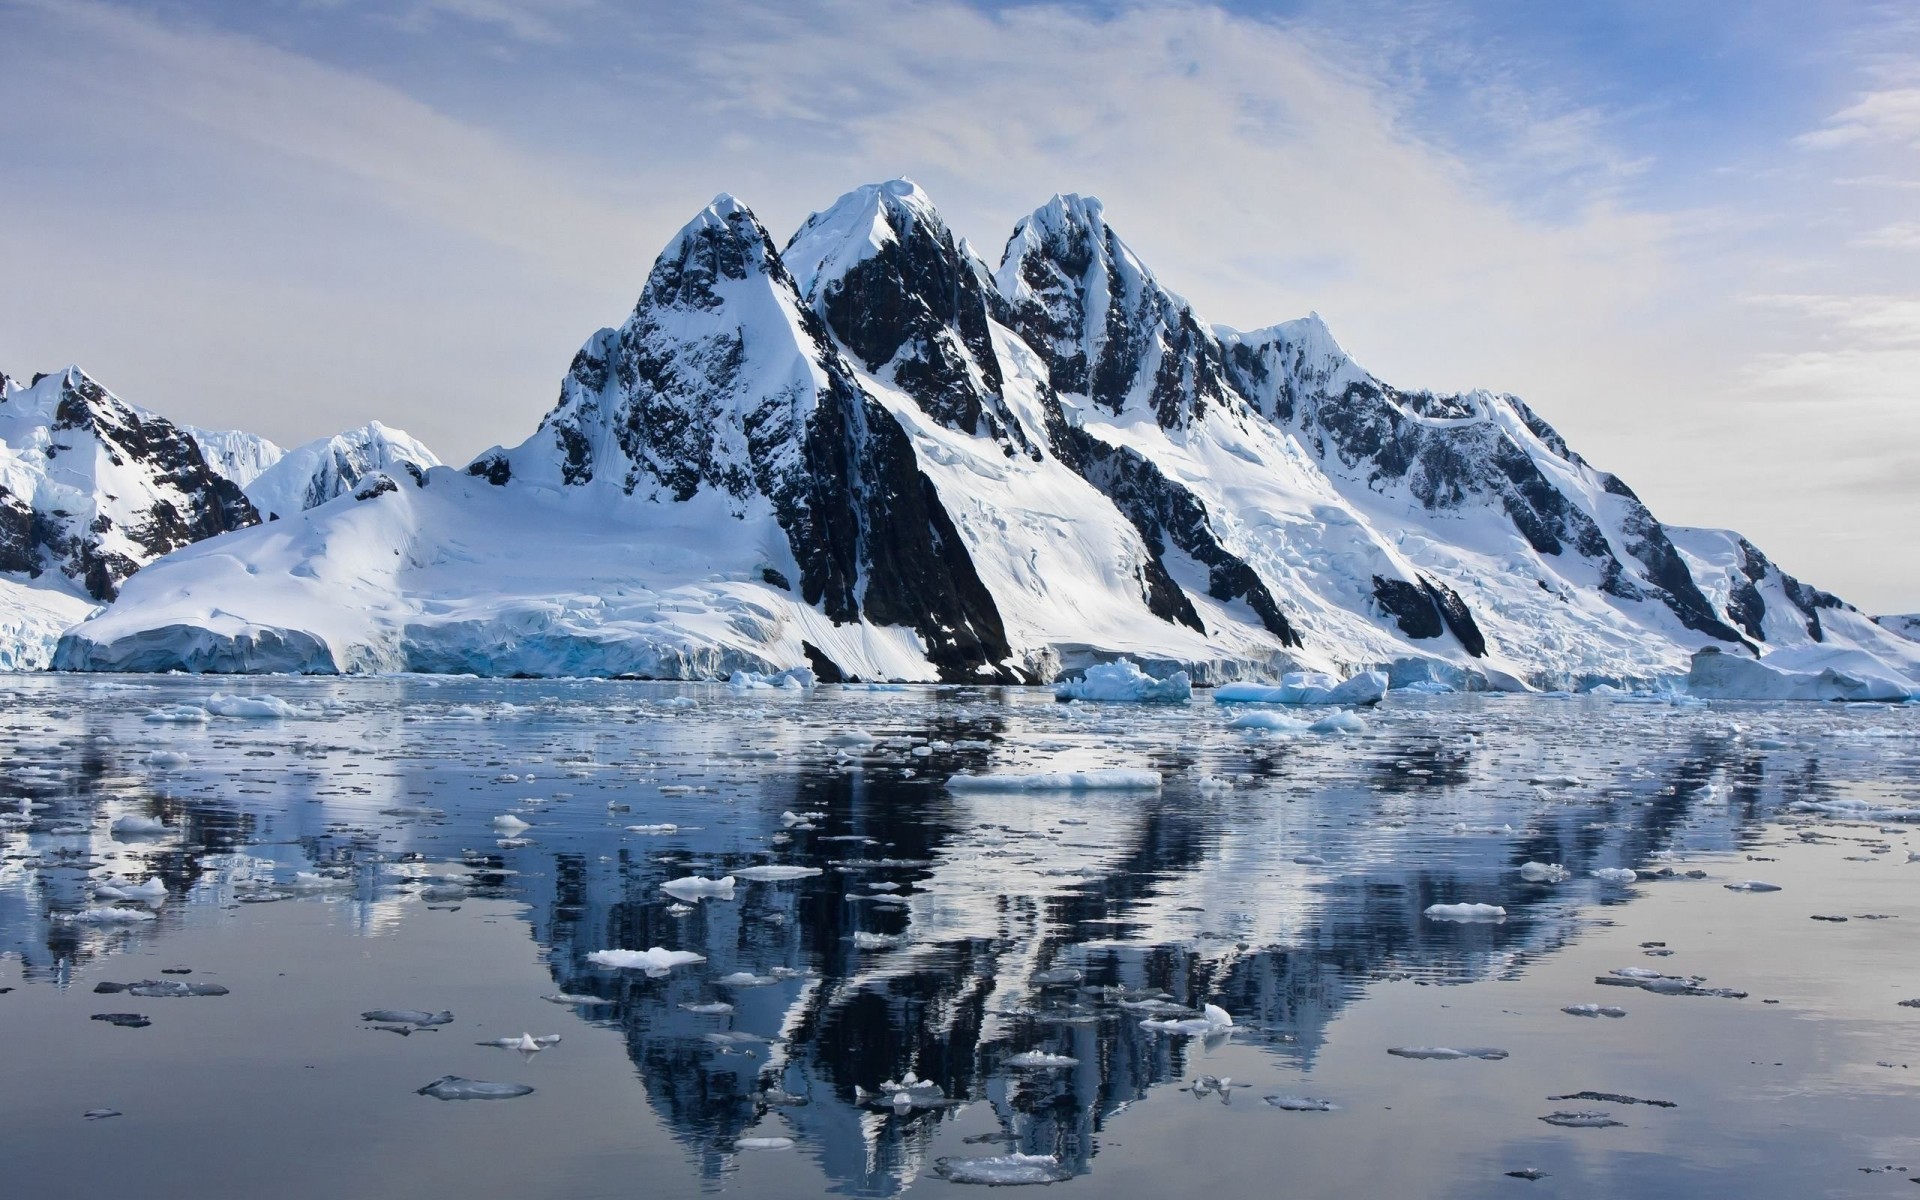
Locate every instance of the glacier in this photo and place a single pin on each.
(874, 455)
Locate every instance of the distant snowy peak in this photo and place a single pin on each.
(1105, 326)
(310, 475)
(235, 453)
(907, 303)
(93, 488)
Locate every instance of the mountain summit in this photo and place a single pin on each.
(875, 454)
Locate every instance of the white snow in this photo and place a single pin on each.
(310, 475)
(1837, 673)
(252, 708)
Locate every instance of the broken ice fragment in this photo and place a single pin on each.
(1615, 875)
(763, 1143)
(1040, 1060)
(656, 961)
(1301, 1104)
(1752, 885)
(408, 1016)
(1447, 1052)
(1593, 1010)
(1539, 872)
(776, 872)
(1006, 1170)
(1582, 1120)
(1466, 912)
(693, 887)
(453, 1087)
(124, 1020)
(526, 1043)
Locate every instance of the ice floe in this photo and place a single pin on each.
(656, 961)
(1446, 1053)
(1539, 872)
(252, 708)
(1040, 1060)
(693, 887)
(1307, 687)
(1004, 1170)
(776, 872)
(1124, 681)
(453, 1087)
(1466, 912)
(1112, 779)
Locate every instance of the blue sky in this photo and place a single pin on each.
(1688, 233)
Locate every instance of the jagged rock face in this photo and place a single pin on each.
(95, 488)
(901, 297)
(1452, 452)
(724, 380)
(1105, 326)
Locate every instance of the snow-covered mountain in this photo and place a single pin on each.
(240, 456)
(310, 475)
(1907, 625)
(875, 454)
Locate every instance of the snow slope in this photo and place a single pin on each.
(875, 456)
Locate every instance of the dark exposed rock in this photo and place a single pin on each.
(494, 468)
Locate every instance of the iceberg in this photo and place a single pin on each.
(1123, 681)
(654, 962)
(1307, 687)
(1809, 673)
(1466, 912)
(1058, 781)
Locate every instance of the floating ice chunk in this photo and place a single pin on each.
(152, 891)
(1339, 722)
(178, 714)
(110, 915)
(876, 941)
(1539, 872)
(1041, 1061)
(851, 739)
(509, 824)
(714, 1008)
(1307, 687)
(526, 1043)
(1212, 1020)
(654, 830)
(776, 872)
(1563, 781)
(453, 1087)
(693, 887)
(1115, 779)
(1279, 722)
(101, 1114)
(1056, 976)
(575, 998)
(1614, 1098)
(252, 708)
(1466, 912)
(1593, 1010)
(171, 989)
(654, 962)
(1309, 860)
(1583, 1120)
(763, 1143)
(1004, 1170)
(1301, 1104)
(747, 979)
(1123, 681)
(793, 679)
(1752, 885)
(1616, 875)
(408, 1016)
(134, 824)
(1446, 1053)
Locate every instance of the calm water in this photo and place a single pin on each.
(348, 859)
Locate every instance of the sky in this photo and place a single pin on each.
(1687, 233)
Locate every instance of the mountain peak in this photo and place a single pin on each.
(854, 228)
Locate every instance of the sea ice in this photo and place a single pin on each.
(793, 679)
(693, 887)
(453, 1087)
(776, 872)
(1616, 875)
(1752, 885)
(1583, 1120)
(1114, 779)
(1301, 1104)
(1466, 912)
(653, 830)
(110, 915)
(152, 891)
(654, 962)
(1338, 722)
(1447, 1052)
(179, 714)
(1593, 1010)
(136, 824)
(526, 1043)
(1279, 722)
(1213, 1020)
(1040, 1060)
(252, 708)
(1005, 1170)
(509, 824)
(1123, 681)
(1307, 687)
(763, 1143)
(408, 1016)
(1539, 872)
